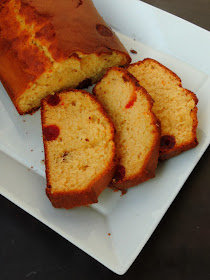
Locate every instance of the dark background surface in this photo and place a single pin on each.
(178, 249)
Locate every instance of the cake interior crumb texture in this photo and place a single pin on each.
(137, 132)
(81, 153)
(174, 106)
(43, 51)
(67, 74)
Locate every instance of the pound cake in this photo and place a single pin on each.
(79, 148)
(174, 106)
(48, 45)
(137, 135)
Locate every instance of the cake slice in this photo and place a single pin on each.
(48, 46)
(79, 148)
(137, 135)
(174, 106)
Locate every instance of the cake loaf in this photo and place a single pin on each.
(79, 148)
(48, 45)
(174, 106)
(137, 135)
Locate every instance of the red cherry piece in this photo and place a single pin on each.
(130, 103)
(167, 142)
(132, 100)
(51, 132)
(103, 30)
(53, 100)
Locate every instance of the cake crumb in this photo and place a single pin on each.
(113, 188)
(42, 161)
(133, 51)
(32, 150)
(123, 192)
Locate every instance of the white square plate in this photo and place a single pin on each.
(130, 219)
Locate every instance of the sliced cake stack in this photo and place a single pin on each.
(83, 157)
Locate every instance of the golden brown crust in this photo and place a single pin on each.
(162, 66)
(176, 150)
(148, 170)
(20, 62)
(90, 194)
(88, 34)
(51, 26)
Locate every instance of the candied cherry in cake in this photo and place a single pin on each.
(103, 30)
(131, 102)
(167, 142)
(53, 100)
(51, 132)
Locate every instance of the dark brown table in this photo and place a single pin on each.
(178, 249)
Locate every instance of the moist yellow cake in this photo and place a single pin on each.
(174, 106)
(79, 148)
(47, 46)
(137, 135)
